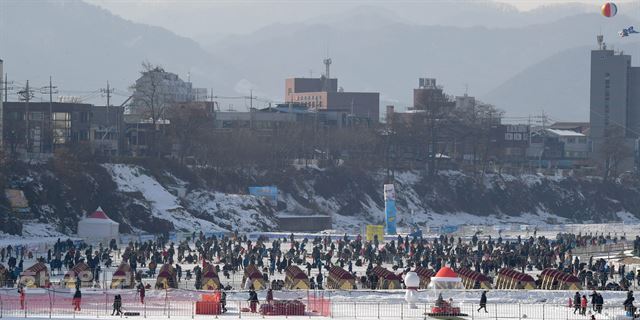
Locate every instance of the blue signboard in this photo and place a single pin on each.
(448, 229)
(268, 192)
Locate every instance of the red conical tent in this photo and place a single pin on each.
(446, 272)
(99, 214)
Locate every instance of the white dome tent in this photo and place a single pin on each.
(98, 226)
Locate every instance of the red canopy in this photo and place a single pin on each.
(446, 272)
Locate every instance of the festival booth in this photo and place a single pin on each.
(386, 278)
(474, 280)
(254, 276)
(98, 227)
(511, 279)
(166, 277)
(425, 276)
(123, 278)
(79, 271)
(210, 279)
(446, 279)
(340, 279)
(209, 304)
(295, 278)
(554, 279)
(36, 276)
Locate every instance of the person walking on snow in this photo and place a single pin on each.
(576, 303)
(483, 302)
(77, 297)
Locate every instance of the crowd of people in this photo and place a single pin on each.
(233, 253)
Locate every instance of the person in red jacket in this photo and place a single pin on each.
(77, 298)
(583, 305)
(141, 291)
(22, 297)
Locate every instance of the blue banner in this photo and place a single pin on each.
(390, 208)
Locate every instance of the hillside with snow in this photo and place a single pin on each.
(162, 197)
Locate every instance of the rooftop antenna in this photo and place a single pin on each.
(327, 75)
(601, 44)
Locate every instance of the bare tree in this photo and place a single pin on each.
(149, 99)
(189, 123)
(614, 151)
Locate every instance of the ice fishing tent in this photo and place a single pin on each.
(295, 278)
(386, 278)
(446, 279)
(98, 226)
(425, 276)
(254, 276)
(210, 279)
(511, 279)
(473, 279)
(36, 276)
(340, 279)
(166, 277)
(80, 271)
(123, 278)
(554, 279)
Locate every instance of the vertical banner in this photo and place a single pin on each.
(390, 208)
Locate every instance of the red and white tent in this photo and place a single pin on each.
(446, 278)
(98, 226)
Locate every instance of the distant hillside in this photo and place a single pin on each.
(390, 57)
(83, 46)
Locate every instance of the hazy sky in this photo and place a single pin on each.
(208, 18)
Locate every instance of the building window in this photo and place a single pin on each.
(36, 116)
(84, 117)
(61, 127)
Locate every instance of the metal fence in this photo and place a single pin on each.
(100, 305)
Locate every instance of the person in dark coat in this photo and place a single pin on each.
(599, 303)
(223, 301)
(269, 296)
(576, 303)
(253, 300)
(483, 302)
(628, 303)
(117, 305)
(594, 299)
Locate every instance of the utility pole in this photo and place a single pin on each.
(26, 96)
(108, 91)
(50, 90)
(6, 87)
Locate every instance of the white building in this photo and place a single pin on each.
(576, 145)
(161, 89)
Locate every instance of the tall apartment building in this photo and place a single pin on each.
(1, 99)
(614, 96)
